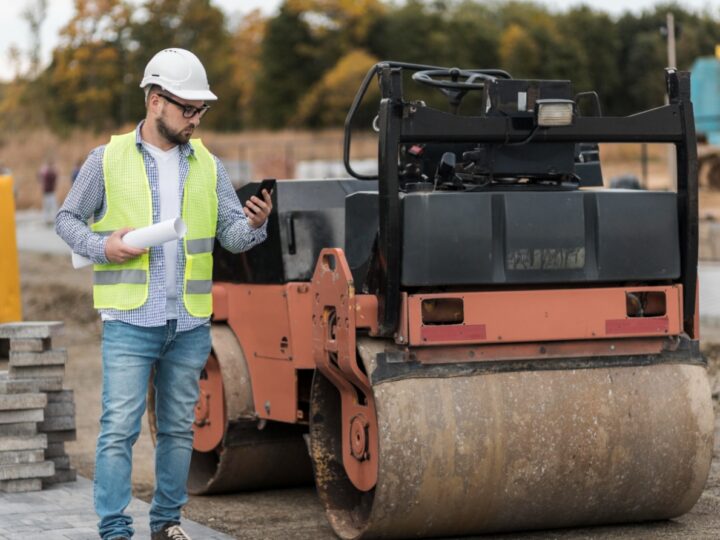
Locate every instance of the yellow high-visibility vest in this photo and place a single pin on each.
(129, 204)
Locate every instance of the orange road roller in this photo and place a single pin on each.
(479, 337)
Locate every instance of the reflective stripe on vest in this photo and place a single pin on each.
(129, 204)
(111, 277)
(200, 245)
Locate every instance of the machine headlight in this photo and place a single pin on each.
(554, 112)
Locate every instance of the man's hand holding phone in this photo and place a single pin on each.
(258, 207)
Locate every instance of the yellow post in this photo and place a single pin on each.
(10, 307)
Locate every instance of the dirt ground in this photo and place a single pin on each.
(52, 290)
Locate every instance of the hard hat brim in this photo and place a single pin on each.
(192, 95)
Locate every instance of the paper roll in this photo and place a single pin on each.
(146, 237)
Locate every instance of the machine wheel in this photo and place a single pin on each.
(232, 449)
(485, 452)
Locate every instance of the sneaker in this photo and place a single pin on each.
(170, 531)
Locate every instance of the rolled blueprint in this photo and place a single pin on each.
(154, 235)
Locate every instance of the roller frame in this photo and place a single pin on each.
(334, 328)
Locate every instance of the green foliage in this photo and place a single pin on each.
(302, 65)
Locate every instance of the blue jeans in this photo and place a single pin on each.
(129, 353)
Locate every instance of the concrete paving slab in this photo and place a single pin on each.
(17, 457)
(23, 442)
(64, 396)
(21, 486)
(30, 345)
(61, 436)
(65, 512)
(59, 409)
(30, 329)
(55, 449)
(26, 415)
(53, 357)
(15, 385)
(27, 470)
(18, 429)
(10, 402)
(57, 423)
(37, 372)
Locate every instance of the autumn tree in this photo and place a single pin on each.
(87, 74)
(328, 101)
(305, 40)
(195, 25)
(246, 64)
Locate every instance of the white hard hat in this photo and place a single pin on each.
(179, 72)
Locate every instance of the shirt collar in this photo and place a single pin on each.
(186, 149)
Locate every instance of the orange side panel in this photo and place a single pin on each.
(220, 303)
(545, 315)
(299, 302)
(258, 315)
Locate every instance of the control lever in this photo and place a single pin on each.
(446, 171)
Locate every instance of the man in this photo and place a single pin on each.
(47, 175)
(155, 304)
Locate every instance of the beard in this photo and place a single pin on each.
(179, 137)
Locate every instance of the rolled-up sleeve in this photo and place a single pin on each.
(85, 200)
(233, 228)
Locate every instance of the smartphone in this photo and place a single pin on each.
(268, 184)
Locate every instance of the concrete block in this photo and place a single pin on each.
(30, 329)
(19, 386)
(14, 429)
(30, 345)
(25, 456)
(31, 442)
(55, 449)
(26, 415)
(9, 402)
(27, 470)
(36, 372)
(59, 409)
(21, 486)
(57, 423)
(53, 357)
(63, 396)
(61, 462)
(61, 436)
(65, 475)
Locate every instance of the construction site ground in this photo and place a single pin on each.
(52, 290)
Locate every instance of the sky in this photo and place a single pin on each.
(14, 30)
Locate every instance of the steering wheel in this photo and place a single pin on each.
(460, 81)
(431, 78)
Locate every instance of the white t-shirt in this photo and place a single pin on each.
(168, 164)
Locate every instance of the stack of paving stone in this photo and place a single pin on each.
(36, 415)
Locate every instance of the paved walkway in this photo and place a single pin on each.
(34, 235)
(709, 279)
(65, 512)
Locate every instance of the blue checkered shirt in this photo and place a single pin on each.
(87, 199)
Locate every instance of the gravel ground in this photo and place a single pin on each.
(52, 290)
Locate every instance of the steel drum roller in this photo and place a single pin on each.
(521, 450)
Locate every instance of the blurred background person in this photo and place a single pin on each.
(47, 175)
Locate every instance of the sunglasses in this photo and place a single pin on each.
(188, 111)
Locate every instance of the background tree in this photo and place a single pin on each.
(301, 66)
(195, 25)
(87, 73)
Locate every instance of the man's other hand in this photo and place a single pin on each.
(258, 210)
(118, 251)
